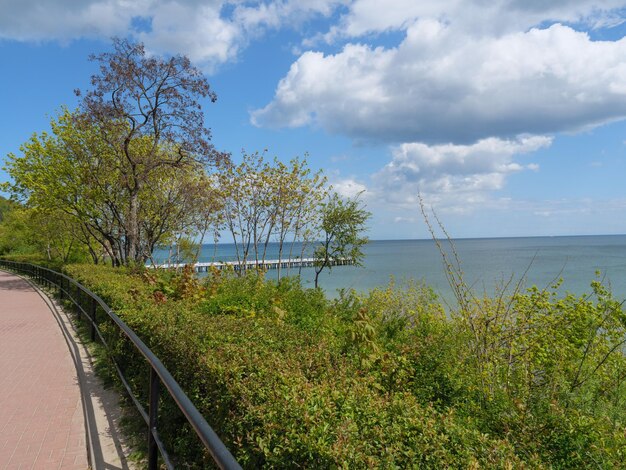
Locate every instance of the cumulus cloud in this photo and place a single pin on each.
(439, 86)
(275, 14)
(348, 187)
(453, 97)
(197, 30)
(453, 175)
(209, 36)
(30, 20)
(472, 16)
(210, 32)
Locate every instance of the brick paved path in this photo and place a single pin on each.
(41, 415)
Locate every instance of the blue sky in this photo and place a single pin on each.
(508, 118)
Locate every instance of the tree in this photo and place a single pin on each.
(343, 224)
(266, 202)
(296, 198)
(5, 207)
(203, 214)
(51, 235)
(72, 170)
(55, 176)
(16, 235)
(245, 191)
(148, 114)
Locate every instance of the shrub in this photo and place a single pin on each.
(383, 380)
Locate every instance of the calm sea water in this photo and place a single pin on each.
(485, 262)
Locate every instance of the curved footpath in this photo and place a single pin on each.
(44, 423)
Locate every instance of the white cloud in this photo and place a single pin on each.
(197, 31)
(348, 187)
(505, 217)
(210, 32)
(572, 208)
(440, 86)
(201, 31)
(452, 176)
(30, 20)
(278, 13)
(475, 17)
(452, 98)
(409, 220)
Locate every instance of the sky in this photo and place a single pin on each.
(507, 116)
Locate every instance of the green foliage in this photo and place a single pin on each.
(342, 225)
(267, 201)
(383, 380)
(252, 296)
(549, 373)
(73, 173)
(45, 236)
(5, 207)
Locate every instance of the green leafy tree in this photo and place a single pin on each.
(246, 193)
(5, 206)
(15, 232)
(343, 226)
(53, 236)
(296, 197)
(203, 214)
(269, 201)
(73, 170)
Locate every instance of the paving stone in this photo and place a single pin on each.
(41, 417)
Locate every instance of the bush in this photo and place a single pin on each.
(383, 380)
(548, 373)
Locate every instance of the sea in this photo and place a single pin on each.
(487, 264)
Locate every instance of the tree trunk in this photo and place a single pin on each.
(280, 259)
(132, 231)
(93, 254)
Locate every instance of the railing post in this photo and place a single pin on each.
(92, 314)
(153, 411)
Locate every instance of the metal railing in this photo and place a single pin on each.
(87, 303)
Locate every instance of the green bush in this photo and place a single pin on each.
(548, 372)
(33, 258)
(385, 380)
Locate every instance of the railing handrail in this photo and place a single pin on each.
(221, 455)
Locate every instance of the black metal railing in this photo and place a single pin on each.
(86, 302)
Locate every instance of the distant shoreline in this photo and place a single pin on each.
(511, 237)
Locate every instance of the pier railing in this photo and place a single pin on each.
(257, 264)
(86, 304)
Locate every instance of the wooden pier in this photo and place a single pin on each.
(254, 264)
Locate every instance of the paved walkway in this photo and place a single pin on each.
(41, 413)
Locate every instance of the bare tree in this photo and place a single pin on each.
(148, 112)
